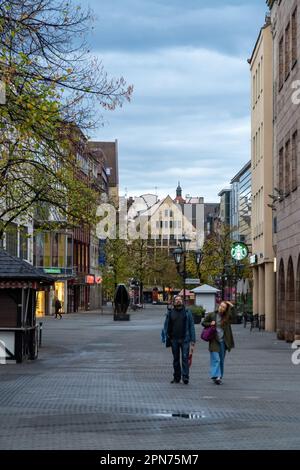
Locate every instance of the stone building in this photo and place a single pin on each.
(286, 68)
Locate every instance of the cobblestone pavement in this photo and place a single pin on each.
(100, 384)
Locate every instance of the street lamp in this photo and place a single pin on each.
(198, 260)
(180, 253)
(184, 243)
(177, 253)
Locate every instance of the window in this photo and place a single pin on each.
(287, 185)
(261, 76)
(294, 37)
(287, 50)
(12, 239)
(281, 64)
(47, 250)
(281, 170)
(55, 249)
(258, 80)
(253, 91)
(256, 85)
(294, 161)
(166, 213)
(256, 150)
(275, 225)
(23, 242)
(262, 151)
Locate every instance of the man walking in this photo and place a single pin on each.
(57, 307)
(179, 333)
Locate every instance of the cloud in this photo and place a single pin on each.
(189, 118)
(149, 24)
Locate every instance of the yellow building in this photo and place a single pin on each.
(261, 66)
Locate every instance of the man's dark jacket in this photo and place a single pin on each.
(189, 336)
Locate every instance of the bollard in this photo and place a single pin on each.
(40, 333)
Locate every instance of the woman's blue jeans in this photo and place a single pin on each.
(217, 361)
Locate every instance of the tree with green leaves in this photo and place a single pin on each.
(53, 86)
(163, 269)
(217, 261)
(116, 270)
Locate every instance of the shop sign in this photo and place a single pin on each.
(52, 270)
(90, 279)
(239, 251)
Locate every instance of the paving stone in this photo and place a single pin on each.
(100, 384)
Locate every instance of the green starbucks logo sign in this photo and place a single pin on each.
(239, 251)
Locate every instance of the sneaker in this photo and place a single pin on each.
(185, 381)
(218, 381)
(174, 381)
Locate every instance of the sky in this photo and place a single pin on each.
(189, 118)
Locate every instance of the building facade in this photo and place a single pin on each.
(285, 21)
(241, 197)
(18, 240)
(262, 260)
(225, 205)
(211, 217)
(108, 153)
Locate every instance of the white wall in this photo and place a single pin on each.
(208, 301)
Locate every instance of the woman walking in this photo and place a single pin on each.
(222, 340)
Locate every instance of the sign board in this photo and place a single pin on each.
(90, 279)
(253, 259)
(52, 270)
(195, 282)
(239, 251)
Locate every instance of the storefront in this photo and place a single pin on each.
(19, 284)
(79, 293)
(45, 300)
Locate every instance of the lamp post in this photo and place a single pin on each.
(180, 254)
(198, 260)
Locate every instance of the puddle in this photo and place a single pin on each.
(191, 416)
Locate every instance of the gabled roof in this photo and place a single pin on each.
(15, 268)
(153, 209)
(205, 289)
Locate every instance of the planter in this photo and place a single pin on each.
(197, 319)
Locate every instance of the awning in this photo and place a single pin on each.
(18, 285)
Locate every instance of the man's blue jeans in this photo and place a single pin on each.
(183, 369)
(217, 361)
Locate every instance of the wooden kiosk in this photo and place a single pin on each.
(19, 282)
